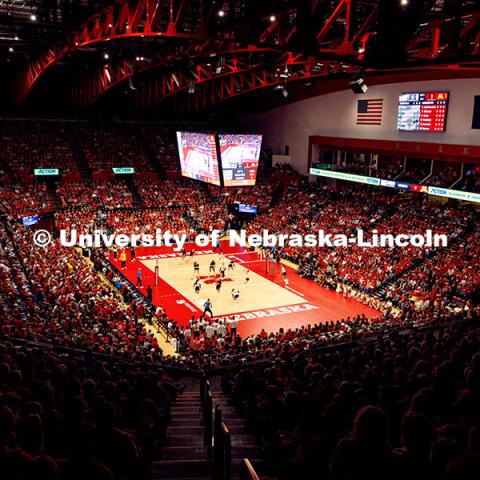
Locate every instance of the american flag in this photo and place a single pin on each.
(369, 112)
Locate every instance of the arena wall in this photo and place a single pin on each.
(334, 115)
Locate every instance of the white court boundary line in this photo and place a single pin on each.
(295, 291)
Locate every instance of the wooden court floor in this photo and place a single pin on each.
(255, 294)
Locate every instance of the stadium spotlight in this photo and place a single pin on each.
(286, 73)
(10, 49)
(272, 18)
(220, 66)
(131, 86)
(33, 17)
(403, 3)
(105, 56)
(221, 13)
(16, 37)
(358, 84)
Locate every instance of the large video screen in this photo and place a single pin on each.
(198, 156)
(422, 111)
(239, 155)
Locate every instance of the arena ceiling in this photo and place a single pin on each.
(189, 55)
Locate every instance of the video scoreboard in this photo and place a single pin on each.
(422, 111)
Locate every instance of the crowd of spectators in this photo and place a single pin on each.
(95, 194)
(180, 192)
(304, 209)
(444, 174)
(355, 163)
(163, 142)
(18, 201)
(416, 170)
(27, 145)
(471, 179)
(443, 277)
(401, 406)
(68, 303)
(421, 280)
(72, 417)
(259, 195)
(389, 167)
(107, 146)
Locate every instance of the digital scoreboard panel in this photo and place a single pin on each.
(422, 111)
(240, 155)
(198, 156)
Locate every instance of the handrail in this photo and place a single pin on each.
(222, 452)
(247, 472)
(206, 401)
(227, 452)
(217, 445)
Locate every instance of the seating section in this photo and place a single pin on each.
(87, 386)
(72, 417)
(95, 194)
(23, 200)
(163, 141)
(34, 144)
(444, 174)
(471, 180)
(107, 146)
(402, 407)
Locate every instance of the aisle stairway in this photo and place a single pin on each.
(53, 196)
(78, 155)
(151, 154)
(136, 197)
(243, 444)
(184, 456)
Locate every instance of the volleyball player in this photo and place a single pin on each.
(197, 286)
(235, 294)
(222, 271)
(231, 265)
(218, 285)
(212, 267)
(247, 278)
(196, 268)
(184, 254)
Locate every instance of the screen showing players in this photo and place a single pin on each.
(239, 155)
(422, 111)
(198, 156)
(28, 221)
(247, 209)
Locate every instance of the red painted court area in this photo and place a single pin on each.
(317, 304)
